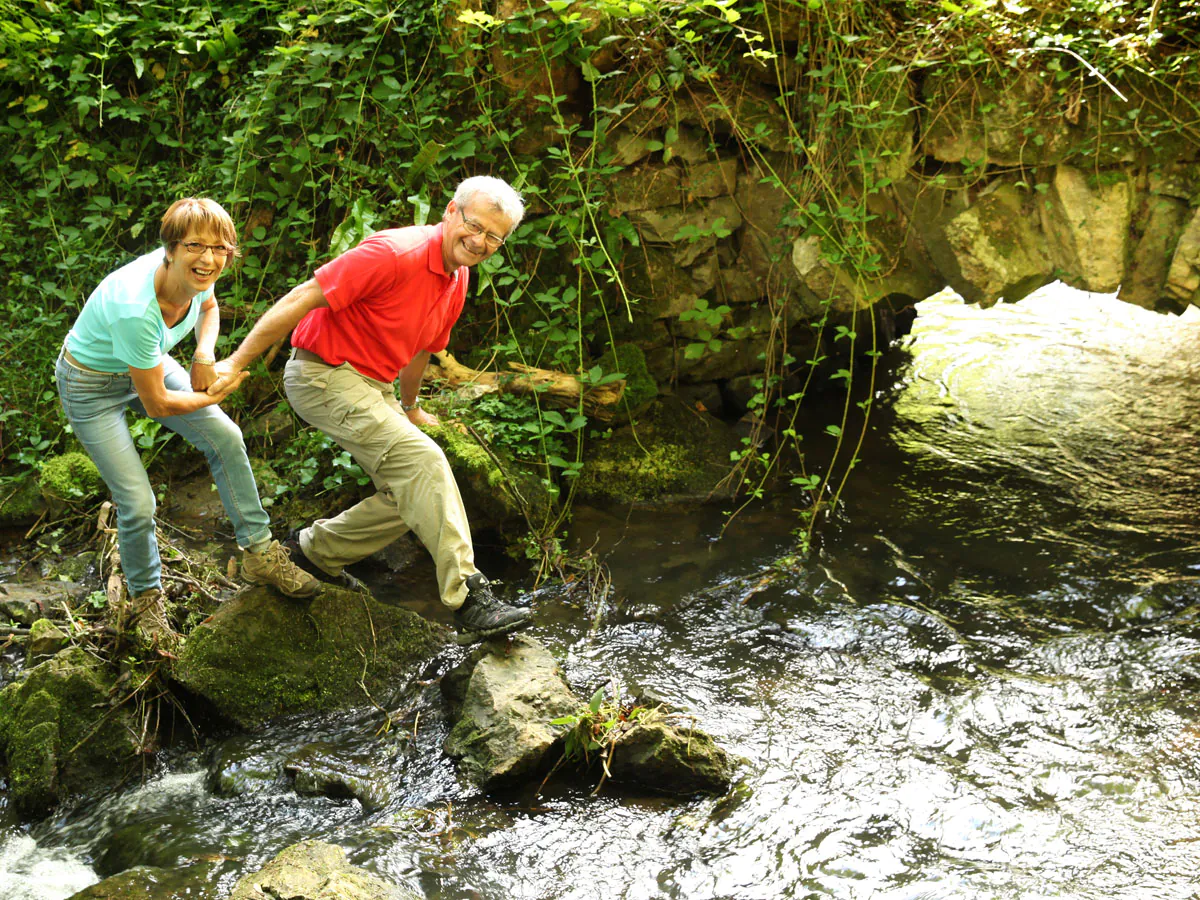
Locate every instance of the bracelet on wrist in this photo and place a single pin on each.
(203, 359)
(409, 407)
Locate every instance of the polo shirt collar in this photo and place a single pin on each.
(434, 253)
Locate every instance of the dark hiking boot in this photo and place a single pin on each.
(344, 580)
(482, 615)
(274, 567)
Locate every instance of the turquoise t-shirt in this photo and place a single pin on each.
(121, 324)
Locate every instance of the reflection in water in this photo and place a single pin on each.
(980, 686)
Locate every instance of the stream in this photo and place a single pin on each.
(978, 685)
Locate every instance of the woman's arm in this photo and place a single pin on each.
(208, 326)
(161, 402)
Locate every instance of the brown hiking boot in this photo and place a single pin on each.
(274, 567)
(148, 616)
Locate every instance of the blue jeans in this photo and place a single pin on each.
(95, 406)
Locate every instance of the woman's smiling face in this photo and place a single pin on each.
(197, 271)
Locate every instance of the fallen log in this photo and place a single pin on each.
(556, 388)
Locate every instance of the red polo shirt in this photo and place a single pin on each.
(389, 299)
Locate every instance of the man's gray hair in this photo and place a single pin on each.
(500, 196)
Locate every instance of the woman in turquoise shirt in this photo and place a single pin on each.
(116, 356)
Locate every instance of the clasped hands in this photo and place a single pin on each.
(217, 379)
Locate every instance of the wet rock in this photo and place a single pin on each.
(60, 736)
(140, 883)
(26, 603)
(504, 700)
(318, 768)
(242, 765)
(263, 654)
(45, 640)
(313, 870)
(671, 760)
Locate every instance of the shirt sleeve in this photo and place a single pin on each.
(134, 343)
(366, 271)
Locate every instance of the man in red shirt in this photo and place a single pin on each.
(369, 318)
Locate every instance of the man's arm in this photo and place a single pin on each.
(410, 385)
(277, 322)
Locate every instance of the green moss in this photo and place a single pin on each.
(71, 476)
(670, 451)
(495, 493)
(640, 386)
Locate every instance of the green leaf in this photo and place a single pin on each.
(597, 699)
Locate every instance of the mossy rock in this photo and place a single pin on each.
(640, 386)
(262, 655)
(497, 490)
(21, 502)
(671, 760)
(58, 734)
(71, 477)
(670, 452)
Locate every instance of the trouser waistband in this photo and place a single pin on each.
(71, 360)
(307, 356)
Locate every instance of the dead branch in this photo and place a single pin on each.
(558, 388)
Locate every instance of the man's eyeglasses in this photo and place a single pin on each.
(196, 248)
(474, 227)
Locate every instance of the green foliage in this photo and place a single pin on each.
(593, 732)
(316, 125)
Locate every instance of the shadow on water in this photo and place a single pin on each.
(981, 685)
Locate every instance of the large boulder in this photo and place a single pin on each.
(61, 732)
(262, 655)
(314, 870)
(504, 701)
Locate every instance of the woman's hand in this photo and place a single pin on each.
(203, 375)
(224, 373)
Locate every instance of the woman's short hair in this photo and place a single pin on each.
(199, 213)
(501, 197)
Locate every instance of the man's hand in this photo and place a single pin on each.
(418, 416)
(226, 379)
(203, 375)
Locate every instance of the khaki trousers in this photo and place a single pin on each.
(415, 487)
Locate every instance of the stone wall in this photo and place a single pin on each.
(997, 186)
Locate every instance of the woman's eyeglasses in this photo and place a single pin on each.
(196, 248)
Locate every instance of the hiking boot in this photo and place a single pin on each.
(148, 617)
(483, 616)
(274, 567)
(343, 579)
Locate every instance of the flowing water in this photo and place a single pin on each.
(980, 685)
